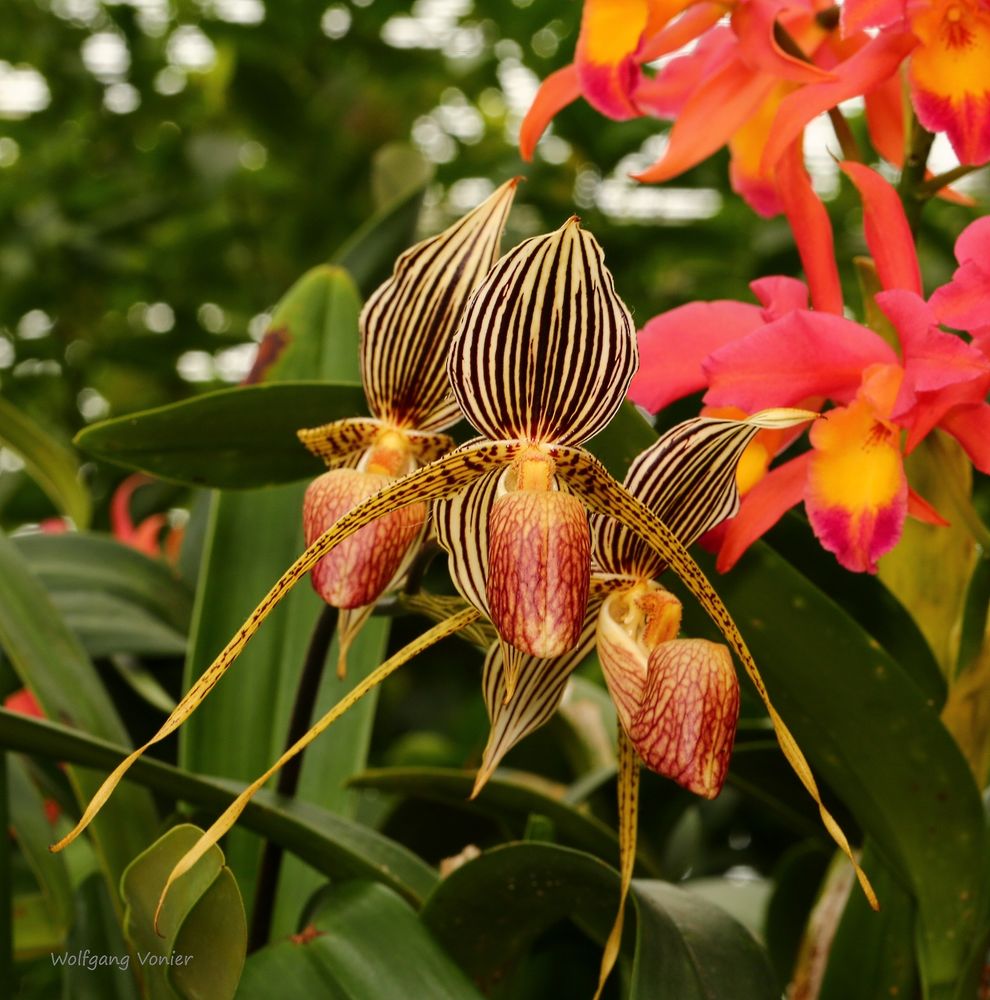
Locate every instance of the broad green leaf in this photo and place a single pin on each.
(51, 663)
(873, 736)
(49, 463)
(488, 913)
(887, 937)
(94, 563)
(199, 946)
(33, 832)
(230, 439)
(365, 943)
(338, 848)
(509, 795)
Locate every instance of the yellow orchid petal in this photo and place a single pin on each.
(628, 788)
(230, 815)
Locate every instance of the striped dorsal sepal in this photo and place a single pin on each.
(408, 323)
(546, 348)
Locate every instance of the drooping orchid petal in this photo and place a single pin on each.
(885, 117)
(950, 88)
(888, 234)
(799, 355)
(756, 24)
(874, 62)
(811, 227)
(858, 15)
(746, 174)
(343, 442)
(557, 91)
(408, 323)
(856, 493)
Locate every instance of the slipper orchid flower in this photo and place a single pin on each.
(406, 329)
(541, 361)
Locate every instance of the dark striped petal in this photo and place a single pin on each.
(603, 495)
(688, 479)
(546, 348)
(539, 688)
(407, 324)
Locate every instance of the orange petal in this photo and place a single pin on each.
(556, 92)
(950, 83)
(746, 148)
(361, 567)
(755, 24)
(711, 116)
(856, 495)
(687, 722)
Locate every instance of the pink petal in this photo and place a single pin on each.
(974, 243)
(970, 426)
(964, 303)
(811, 228)
(888, 234)
(873, 63)
(802, 354)
(709, 118)
(885, 119)
(665, 94)
(779, 295)
(860, 14)
(673, 345)
(693, 22)
(761, 508)
(556, 92)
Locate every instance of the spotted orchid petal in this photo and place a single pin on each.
(230, 815)
(589, 479)
(546, 348)
(628, 794)
(442, 478)
(343, 442)
(950, 88)
(408, 323)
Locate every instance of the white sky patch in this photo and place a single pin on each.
(336, 21)
(234, 11)
(91, 404)
(106, 56)
(23, 91)
(233, 363)
(195, 366)
(431, 24)
(121, 98)
(34, 325)
(189, 49)
(468, 192)
(10, 151)
(821, 151)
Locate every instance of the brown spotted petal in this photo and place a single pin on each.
(546, 348)
(343, 442)
(408, 323)
(539, 570)
(359, 569)
(686, 722)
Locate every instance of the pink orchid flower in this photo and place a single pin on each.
(781, 353)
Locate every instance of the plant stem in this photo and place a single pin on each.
(847, 141)
(935, 184)
(912, 184)
(288, 778)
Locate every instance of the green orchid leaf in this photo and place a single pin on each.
(489, 911)
(872, 734)
(336, 847)
(199, 945)
(51, 663)
(50, 464)
(231, 439)
(510, 796)
(364, 943)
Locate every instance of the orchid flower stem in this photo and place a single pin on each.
(288, 778)
(7, 974)
(843, 132)
(962, 502)
(935, 184)
(912, 183)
